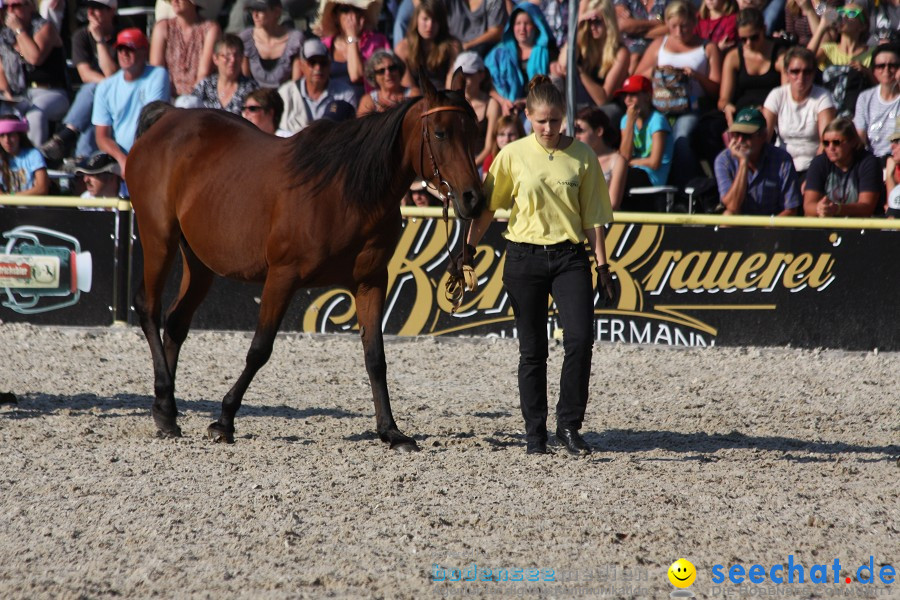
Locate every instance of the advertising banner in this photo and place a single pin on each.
(58, 266)
(681, 285)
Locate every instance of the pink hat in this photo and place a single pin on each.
(13, 126)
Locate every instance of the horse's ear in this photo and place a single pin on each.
(428, 89)
(458, 83)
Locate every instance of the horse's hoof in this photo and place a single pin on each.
(218, 433)
(168, 434)
(8, 398)
(409, 446)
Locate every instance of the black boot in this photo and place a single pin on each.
(60, 145)
(572, 440)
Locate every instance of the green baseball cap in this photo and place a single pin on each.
(748, 120)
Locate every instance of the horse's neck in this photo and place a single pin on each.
(416, 157)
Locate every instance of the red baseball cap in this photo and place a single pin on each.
(635, 84)
(132, 38)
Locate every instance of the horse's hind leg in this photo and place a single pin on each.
(196, 280)
(159, 252)
(276, 297)
(370, 310)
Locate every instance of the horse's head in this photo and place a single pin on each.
(449, 128)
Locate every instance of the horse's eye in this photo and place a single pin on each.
(439, 135)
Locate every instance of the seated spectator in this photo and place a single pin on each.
(384, 73)
(305, 100)
(799, 111)
(717, 22)
(121, 97)
(801, 18)
(478, 25)
(524, 51)
(22, 168)
(477, 92)
(421, 195)
(594, 128)
(228, 88)
(339, 110)
(877, 108)
(892, 181)
(271, 50)
(34, 68)
(751, 70)
(263, 108)
(601, 60)
(845, 63)
(884, 17)
(646, 137)
(94, 56)
(846, 180)
(509, 129)
(755, 177)
(639, 26)
(701, 62)
(184, 45)
(102, 176)
(428, 46)
(348, 30)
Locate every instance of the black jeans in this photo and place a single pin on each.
(531, 275)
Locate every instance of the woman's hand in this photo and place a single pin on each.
(352, 24)
(689, 72)
(729, 110)
(13, 22)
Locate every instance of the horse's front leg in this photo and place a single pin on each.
(369, 311)
(276, 297)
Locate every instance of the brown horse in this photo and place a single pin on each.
(321, 208)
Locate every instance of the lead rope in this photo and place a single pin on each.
(456, 285)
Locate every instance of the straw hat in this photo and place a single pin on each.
(326, 21)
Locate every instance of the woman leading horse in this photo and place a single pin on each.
(321, 208)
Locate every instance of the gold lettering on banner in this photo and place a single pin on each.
(416, 305)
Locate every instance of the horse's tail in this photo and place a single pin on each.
(150, 114)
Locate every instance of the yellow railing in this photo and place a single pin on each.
(620, 217)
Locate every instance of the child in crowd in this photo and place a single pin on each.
(509, 129)
(22, 168)
(717, 22)
(647, 140)
(892, 181)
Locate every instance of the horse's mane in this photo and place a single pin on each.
(358, 153)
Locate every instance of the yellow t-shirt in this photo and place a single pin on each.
(551, 201)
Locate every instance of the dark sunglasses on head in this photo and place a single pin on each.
(254, 109)
(391, 68)
(835, 143)
(888, 65)
(749, 38)
(806, 71)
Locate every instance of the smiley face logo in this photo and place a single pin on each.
(682, 573)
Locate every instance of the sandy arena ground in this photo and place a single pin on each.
(722, 456)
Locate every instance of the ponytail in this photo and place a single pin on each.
(542, 91)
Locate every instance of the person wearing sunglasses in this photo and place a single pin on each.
(34, 68)
(845, 180)
(601, 60)
(228, 87)
(753, 176)
(845, 64)
(752, 69)
(878, 107)
(263, 108)
(384, 74)
(799, 110)
(892, 170)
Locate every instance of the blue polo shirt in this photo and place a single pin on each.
(772, 188)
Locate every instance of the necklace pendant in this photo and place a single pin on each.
(550, 156)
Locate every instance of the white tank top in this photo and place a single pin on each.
(695, 59)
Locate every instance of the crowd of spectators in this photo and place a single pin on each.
(785, 107)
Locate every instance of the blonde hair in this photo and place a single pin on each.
(729, 9)
(680, 8)
(502, 123)
(844, 127)
(541, 91)
(599, 59)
